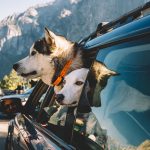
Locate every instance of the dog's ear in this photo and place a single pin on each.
(98, 77)
(101, 70)
(107, 72)
(50, 37)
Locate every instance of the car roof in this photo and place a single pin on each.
(141, 25)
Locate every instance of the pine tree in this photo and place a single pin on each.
(11, 81)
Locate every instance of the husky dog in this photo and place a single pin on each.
(48, 56)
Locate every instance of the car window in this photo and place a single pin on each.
(125, 101)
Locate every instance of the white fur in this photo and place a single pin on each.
(71, 91)
(39, 63)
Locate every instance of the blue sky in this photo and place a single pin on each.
(8, 7)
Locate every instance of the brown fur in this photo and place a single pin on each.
(98, 78)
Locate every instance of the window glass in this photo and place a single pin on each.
(125, 100)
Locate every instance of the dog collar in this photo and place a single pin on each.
(62, 73)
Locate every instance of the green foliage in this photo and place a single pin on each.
(11, 81)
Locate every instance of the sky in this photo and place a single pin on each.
(8, 7)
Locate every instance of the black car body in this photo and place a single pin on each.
(125, 101)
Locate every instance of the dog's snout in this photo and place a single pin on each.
(59, 97)
(16, 66)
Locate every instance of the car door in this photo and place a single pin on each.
(125, 101)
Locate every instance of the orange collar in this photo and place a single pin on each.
(62, 73)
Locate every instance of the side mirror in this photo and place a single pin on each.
(10, 106)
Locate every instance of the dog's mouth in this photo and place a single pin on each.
(29, 74)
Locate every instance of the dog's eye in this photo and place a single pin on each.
(33, 53)
(79, 83)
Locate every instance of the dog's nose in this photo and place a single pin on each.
(15, 66)
(59, 97)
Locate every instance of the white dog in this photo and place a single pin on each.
(72, 87)
(69, 95)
